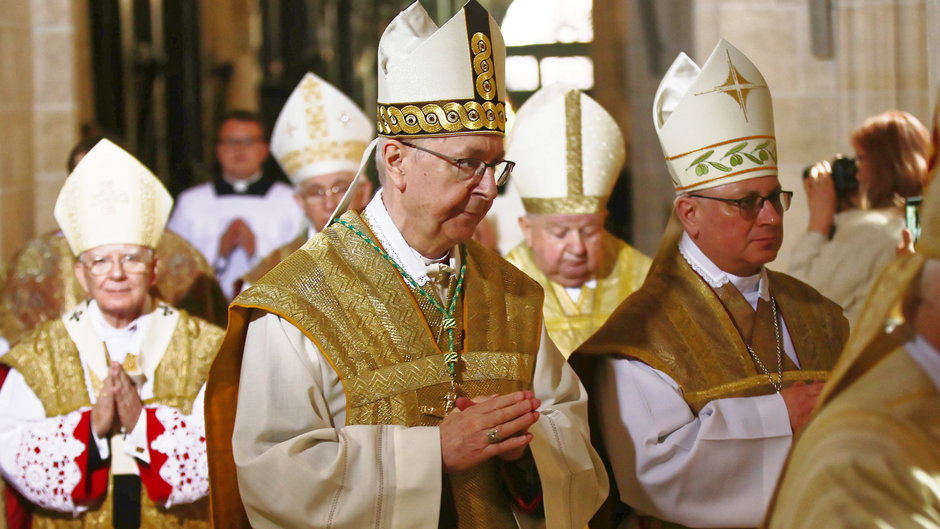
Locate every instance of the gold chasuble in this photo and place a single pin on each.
(870, 457)
(386, 344)
(50, 363)
(677, 324)
(570, 322)
(273, 259)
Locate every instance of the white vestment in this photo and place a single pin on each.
(201, 216)
(715, 469)
(299, 466)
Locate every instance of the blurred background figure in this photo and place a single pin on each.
(243, 214)
(318, 140)
(39, 284)
(101, 420)
(856, 208)
(569, 152)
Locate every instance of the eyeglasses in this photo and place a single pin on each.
(319, 192)
(471, 170)
(751, 205)
(131, 263)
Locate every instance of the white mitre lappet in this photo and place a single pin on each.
(111, 198)
(715, 124)
(319, 131)
(568, 152)
(439, 81)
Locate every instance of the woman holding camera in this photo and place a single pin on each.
(853, 233)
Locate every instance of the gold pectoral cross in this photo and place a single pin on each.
(450, 402)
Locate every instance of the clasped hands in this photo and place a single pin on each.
(485, 427)
(118, 405)
(237, 235)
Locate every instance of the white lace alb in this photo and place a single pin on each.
(187, 468)
(46, 458)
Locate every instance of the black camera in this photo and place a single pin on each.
(844, 176)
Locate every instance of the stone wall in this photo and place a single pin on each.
(39, 110)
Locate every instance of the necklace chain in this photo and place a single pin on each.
(776, 382)
(451, 357)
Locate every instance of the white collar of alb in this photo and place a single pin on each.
(716, 277)
(926, 356)
(394, 242)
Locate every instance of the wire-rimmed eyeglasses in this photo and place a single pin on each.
(471, 170)
(131, 263)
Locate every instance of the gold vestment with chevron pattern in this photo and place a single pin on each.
(51, 365)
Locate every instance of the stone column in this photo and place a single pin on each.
(39, 107)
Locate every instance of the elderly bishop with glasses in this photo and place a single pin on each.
(392, 372)
(318, 140)
(705, 373)
(101, 421)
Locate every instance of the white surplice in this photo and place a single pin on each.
(300, 466)
(201, 216)
(715, 469)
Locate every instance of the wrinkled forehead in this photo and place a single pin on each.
(329, 179)
(760, 186)
(567, 221)
(106, 250)
(486, 147)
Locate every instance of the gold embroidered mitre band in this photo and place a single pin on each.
(441, 81)
(568, 152)
(111, 198)
(319, 131)
(715, 124)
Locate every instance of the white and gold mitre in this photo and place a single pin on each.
(568, 152)
(715, 124)
(442, 81)
(111, 198)
(319, 131)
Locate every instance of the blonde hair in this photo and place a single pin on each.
(897, 145)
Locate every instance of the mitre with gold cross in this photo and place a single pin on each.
(715, 123)
(319, 131)
(111, 198)
(568, 152)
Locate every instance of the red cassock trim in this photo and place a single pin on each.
(157, 489)
(94, 482)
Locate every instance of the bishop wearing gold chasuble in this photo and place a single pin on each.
(569, 152)
(703, 375)
(392, 373)
(101, 421)
(870, 457)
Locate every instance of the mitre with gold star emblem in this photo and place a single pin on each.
(715, 123)
(111, 198)
(319, 131)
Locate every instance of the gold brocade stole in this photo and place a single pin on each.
(273, 259)
(51, 365)
(385, 342)
(756, 327)
(570, 322)
(677, 324)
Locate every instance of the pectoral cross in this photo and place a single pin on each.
(450, 402)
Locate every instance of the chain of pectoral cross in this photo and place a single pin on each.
(449, 324)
